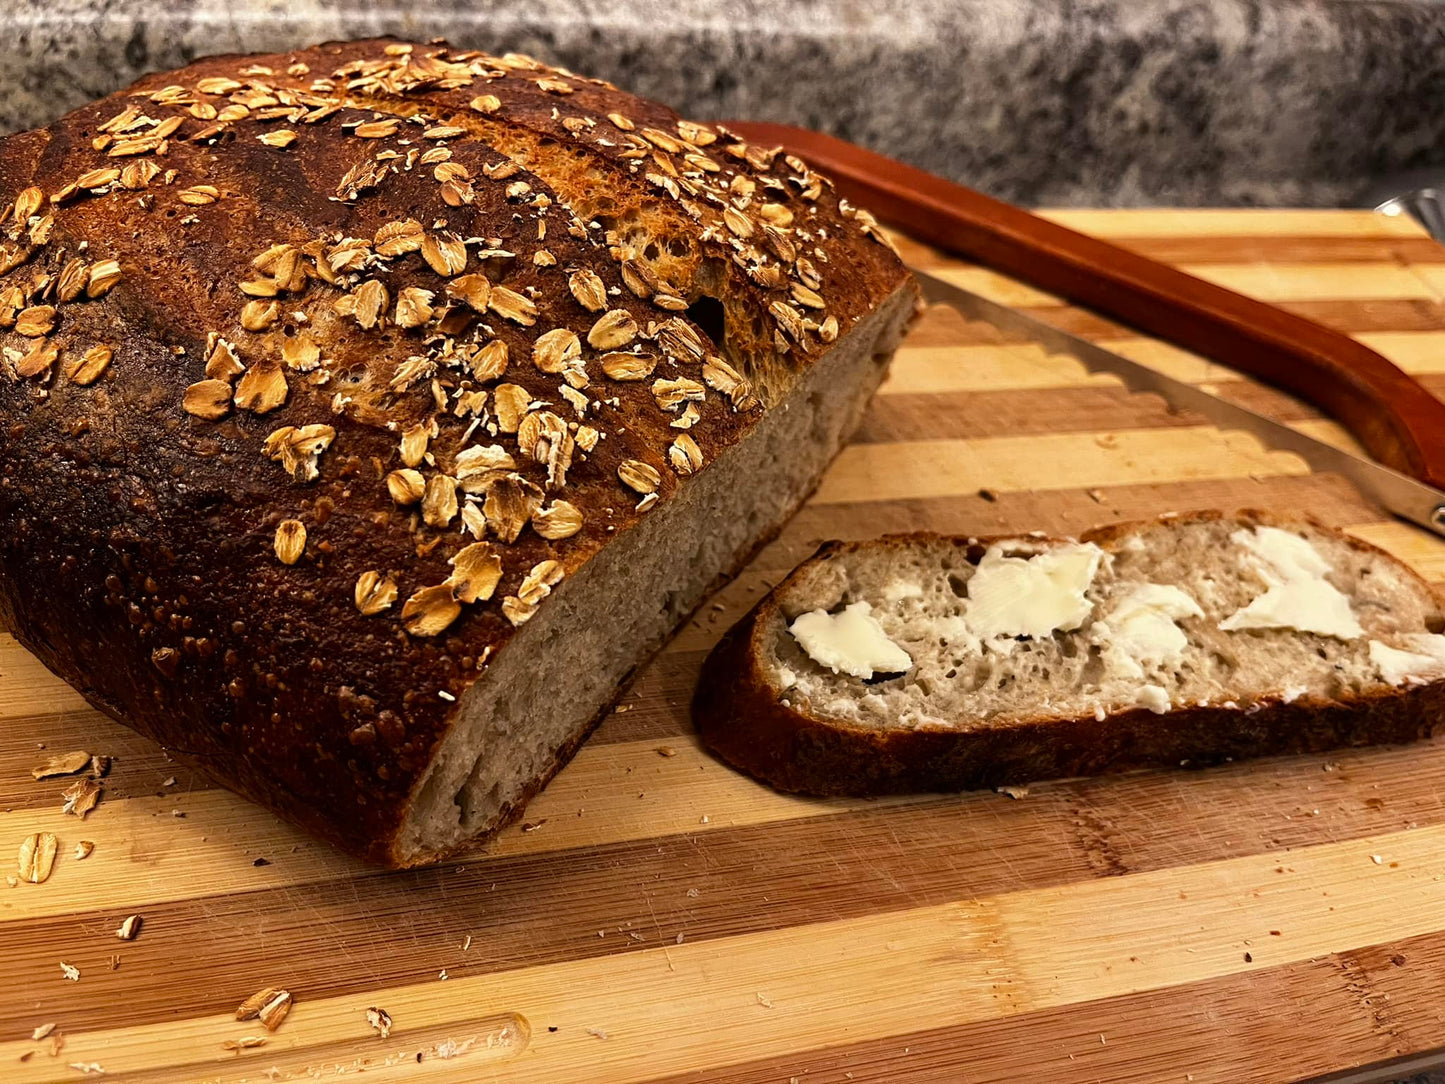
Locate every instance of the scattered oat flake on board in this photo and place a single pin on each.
(251, 1008)
(42, 1031)
(88, 1067)
(37, 857)
(246, 1042)
(1014, 792)
(764, 1002)
(70, 971)
(129, 928)
(380, 1021)
(81, 797)
(666, 751)
(598, 1032)
(274, 1011)
(62, 764)
(1375, 858)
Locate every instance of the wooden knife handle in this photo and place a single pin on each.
(1400, 423)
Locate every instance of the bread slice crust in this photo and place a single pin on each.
(741, 715)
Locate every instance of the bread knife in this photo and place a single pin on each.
(1397, 493)
(1400, 424)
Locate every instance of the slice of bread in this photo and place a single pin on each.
(919, 662)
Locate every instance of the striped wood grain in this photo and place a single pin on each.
(673, 920)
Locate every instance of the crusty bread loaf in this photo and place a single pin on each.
(919, 662)
(373, 411)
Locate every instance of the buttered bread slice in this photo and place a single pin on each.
(922, 662)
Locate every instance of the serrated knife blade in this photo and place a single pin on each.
(1397, 493)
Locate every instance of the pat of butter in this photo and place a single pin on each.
(1155, 698)
(1141, 629)
(1398, 666)
(1031, 596)
(1298, 596)
(1304, 605)
(1281, 555)
(851, 642)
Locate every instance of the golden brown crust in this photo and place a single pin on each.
(239, 302)
(740, 717)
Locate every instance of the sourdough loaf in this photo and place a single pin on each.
(920, 662)
(372, 411)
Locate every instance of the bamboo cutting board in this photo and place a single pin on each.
(658, 917)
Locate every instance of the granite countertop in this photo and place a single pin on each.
(1108, 102)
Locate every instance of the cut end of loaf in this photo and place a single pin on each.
(1164, 653)
(548, 687)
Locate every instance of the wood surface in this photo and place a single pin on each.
(658, 917)
(1401, 424)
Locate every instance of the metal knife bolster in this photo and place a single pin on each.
(1397, 493)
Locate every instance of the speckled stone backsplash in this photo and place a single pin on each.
(1108, 103)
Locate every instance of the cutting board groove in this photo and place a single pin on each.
(672, 920)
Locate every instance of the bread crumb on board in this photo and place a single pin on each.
(379, 1020)
(246, 1042)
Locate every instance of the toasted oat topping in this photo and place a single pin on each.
(374, 592)
(298, 448)
(430, 610)
(559, 520)
(406, 486)
(478, 571)
(290, 541)
(639, 476)
(684, 455)
(209, 399)
(90, 366)
(262, 388)
(589, 290)
(417, 325)
(614, 330)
